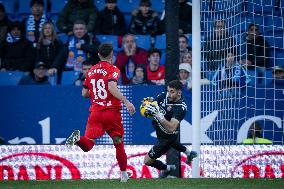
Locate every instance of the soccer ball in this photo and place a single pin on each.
(143, 111)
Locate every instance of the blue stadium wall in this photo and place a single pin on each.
(47, 115)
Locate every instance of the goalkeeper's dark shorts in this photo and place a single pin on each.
(162, 146)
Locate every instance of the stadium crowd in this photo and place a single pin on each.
(45, 49)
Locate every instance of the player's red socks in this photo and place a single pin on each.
(121, 156)
(85, 144)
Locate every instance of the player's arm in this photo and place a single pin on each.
(171, 125)
(85, 92)
(113, 89)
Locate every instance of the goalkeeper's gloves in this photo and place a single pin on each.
(154, 109)
(150, 99)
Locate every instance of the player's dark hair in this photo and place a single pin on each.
(105, 50)
(175, 84)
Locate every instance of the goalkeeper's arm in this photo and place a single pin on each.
(171, 125)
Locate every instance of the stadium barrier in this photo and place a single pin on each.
(56, 162)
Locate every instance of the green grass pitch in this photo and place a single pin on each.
(148, 183)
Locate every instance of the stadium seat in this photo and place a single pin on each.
(69, 77)
(160, 42)
(9, 6)
(24, 7)
(127, 6)
(274, 23)
(127, 17)
(63, 37)
(275, 39)
(279, 58)
(100, 4)
(143, 41)
(10, 77)
(189, 37)
(158, 5)
(109, 38)
(57, 6)
(260, 6)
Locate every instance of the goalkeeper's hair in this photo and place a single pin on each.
(175, 84)
(105, 50)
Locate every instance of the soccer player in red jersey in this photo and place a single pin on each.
(101, 87)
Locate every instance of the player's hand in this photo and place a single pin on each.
(130, 107)
(154, 110)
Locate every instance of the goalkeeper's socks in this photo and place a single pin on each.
(159, 165)
(85, 143)
(121, 156)
(187, 152)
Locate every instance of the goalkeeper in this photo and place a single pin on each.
(168, 112)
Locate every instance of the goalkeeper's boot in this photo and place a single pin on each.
(124, 176)
(190, 157)
(74, 137)
(165, 173)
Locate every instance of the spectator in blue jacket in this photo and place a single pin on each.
(230, 74)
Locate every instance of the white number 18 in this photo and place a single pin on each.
(99, 89)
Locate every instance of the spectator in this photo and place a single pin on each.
(257, 49)
(81, 78)
(187, 58)
(129, 58)
(185, 75)
(183, 46)
(4, 23)
(216, 46)
(278, 75)
(33, 24)
(231, 74)
(49, 46)
(80, 47)
(16, 51)
(255, 135)
(144, 20)
(185, 18)
(38, 77)
(155, 71)
(110, 20)
(77, 10)
(140, 76)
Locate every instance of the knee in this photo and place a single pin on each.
(117, 140)
(148, 160)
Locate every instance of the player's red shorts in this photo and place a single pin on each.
(108, 120)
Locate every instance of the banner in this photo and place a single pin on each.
(56, 162)
(48, 115)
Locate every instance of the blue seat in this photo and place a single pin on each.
(24, 7)
(143, 41)
(109, 39)
(189, 37)
(9, 6)
(127, 6)
(63, 37)
(158, 5)
(10, 77)
(69, 77)
(275, 39)
(127, 18)
(57, 6)
(160, 42)
(260, 6)
(100, 4)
